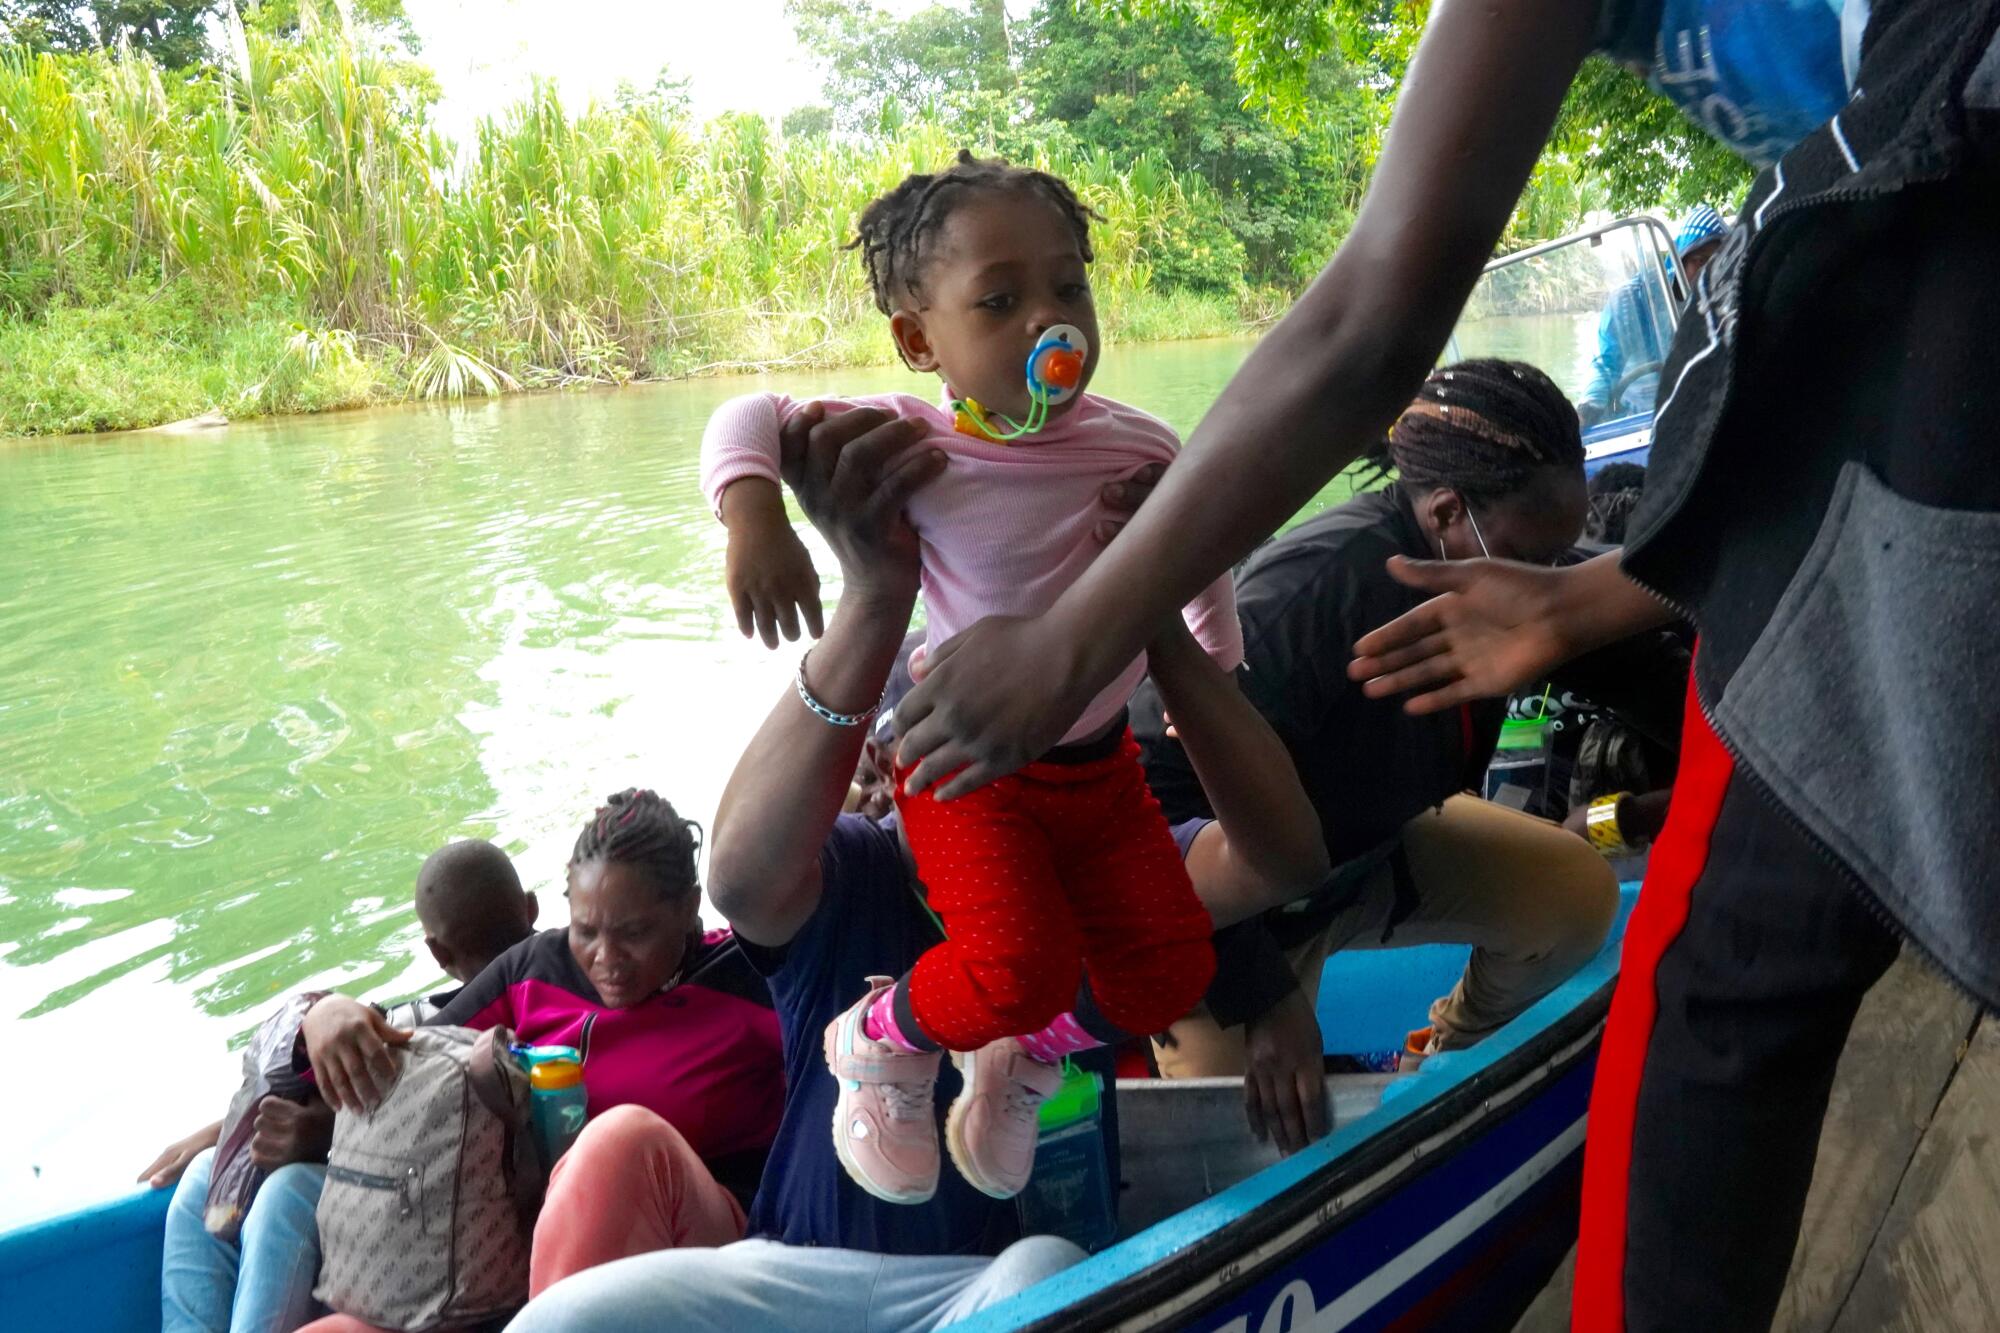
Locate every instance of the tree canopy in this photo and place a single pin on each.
(1134, 90)
(1617, 131)
(172, 32)
(874, 60)
(175, 33)
(1278, 106)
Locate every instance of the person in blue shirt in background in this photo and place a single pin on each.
(1636, 326)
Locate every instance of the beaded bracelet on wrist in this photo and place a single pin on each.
(826, 714)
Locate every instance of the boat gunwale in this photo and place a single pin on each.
(1299, 1216)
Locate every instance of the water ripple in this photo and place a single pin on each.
(249, 678)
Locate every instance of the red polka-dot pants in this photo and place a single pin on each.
(1058, 870)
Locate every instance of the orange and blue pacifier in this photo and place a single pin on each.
(1055, 374)
(1055, 367)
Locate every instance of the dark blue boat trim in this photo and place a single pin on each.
(1389, 1257)
(1199, 1259)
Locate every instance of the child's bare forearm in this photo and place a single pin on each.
(753, 505)
(772, 585)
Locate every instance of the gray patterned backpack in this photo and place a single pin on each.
(430, 1198)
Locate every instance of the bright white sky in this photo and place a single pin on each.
(739, 54)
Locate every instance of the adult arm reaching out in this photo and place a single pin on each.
(1264, 849)
(1477, 106)
(1496, 626)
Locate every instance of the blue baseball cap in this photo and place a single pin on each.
(1702, 225)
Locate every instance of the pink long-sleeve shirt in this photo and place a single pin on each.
(1006, 527)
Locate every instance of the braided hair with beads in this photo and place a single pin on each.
(895, 228)
(639, 828)
(1483, 428)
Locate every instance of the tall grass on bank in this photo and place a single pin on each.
(291, 232)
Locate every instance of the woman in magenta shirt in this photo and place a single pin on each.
(681, 1053)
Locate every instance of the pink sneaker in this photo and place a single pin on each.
(884, 1122)
(994, 1122)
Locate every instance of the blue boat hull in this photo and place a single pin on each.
(1455, 1220)
(1466, 1244)
(96, 1271)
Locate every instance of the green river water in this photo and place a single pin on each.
(249, 677)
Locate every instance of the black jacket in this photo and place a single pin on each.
(1368, 766)
(1823, 496)
(1304, 599)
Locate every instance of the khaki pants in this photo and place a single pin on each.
(1532, 899)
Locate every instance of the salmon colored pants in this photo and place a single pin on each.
(1059, 869)
(630, 1184)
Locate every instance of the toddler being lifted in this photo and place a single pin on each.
(1069, 918)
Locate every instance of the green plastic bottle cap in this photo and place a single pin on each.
(1077, 1099)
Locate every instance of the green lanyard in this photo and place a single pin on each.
(924, 903)
(1038, 417)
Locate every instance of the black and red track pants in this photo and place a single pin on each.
(1744, 963)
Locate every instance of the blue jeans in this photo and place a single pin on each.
(261, 1283)
(756, 1285)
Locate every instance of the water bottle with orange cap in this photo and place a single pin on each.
(559, 1103)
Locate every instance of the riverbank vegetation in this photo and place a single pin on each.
(277, 223)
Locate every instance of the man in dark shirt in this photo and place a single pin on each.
(1489, 461)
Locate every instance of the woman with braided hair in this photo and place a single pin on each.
(682, 1059)
(1490, 430)
(1487, 461)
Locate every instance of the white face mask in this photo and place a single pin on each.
(1476, 536)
